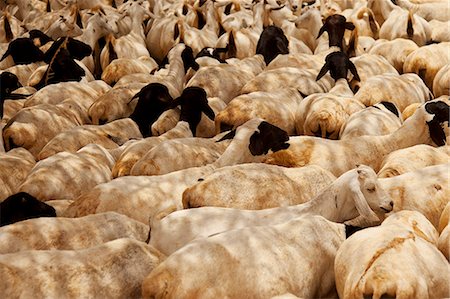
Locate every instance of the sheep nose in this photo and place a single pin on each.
(391, 204)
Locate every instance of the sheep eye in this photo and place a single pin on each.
(371, 189)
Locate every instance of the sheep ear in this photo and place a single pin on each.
(353, 70)
(208, 111)
(349, 26)
(360, 202)
(322, 30)
(323, 71)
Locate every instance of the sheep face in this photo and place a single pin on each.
(338, 64)
(271, 43)
(375, 196)
(335, 25)
(440, 115)
(22, 206)
(23, 51)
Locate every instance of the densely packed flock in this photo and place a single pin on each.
(224, 149)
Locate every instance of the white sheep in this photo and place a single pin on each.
(121, 67)
(395, 51)
(60, 233)
(255, 262)
(438, 10)
(14, 168)
(441, 82)
(225, 81)
(109, 136)
(427, 61)
(403, 24)
(374, 120)
(276, 107)
(140, 197)
(176, 154)
(338, 156)
(255, 186)
(67, 176)
(360, 185)
(114, 270)
(413, 158)
(136, 150)
(444, 231)
(425, 190)
(397, 259)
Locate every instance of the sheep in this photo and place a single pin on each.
(17, 47)
(133, 152)
(142, 196)
(401, 90)
(56, 93)
(11, 27)
(424, 190)
(121, 67)
(176, 154)
(298, 254)
(339, 156)
(403, 24)
(444, 230)
(33, 127)
(114, 104)
(369, 203)
(14, 167)
(429, 11)
(67, 176)
(69, 233)
(131, 45)
(369, 65)
(395, 51)
(225, 81)
(427, 61)
(439, 31)
(413, 158)
(441, 82)
(323, 114)
(380, 119)
(109, 136)
(114, 270)
(283, 77)
(397, 259)
(276, 107)
(256, 186)
(335, 26)
(22, 206)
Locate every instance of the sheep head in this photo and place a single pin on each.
(441, 114)
(370, 199)
(338, 64)
(335, 25)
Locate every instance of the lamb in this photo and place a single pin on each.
(298, 254)
(339, 156)
(142, 196)
(427, 61)
(274, 106)
(256, 186)
(413, 158)
(441, 82)
(22, 206)
(14, 167)
(69, 233)
(109, 136)
(380, 119)
(114, 270)
(424, 190)
(369, 203)
(395, 51)
(397, 259)
(67, 176)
